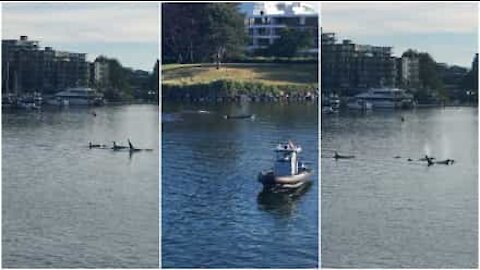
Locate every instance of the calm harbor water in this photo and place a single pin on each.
(384, 212)
(213, 214)
(65, 205)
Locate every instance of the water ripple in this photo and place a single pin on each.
(212, 215)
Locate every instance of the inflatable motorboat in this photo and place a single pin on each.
(288, 172)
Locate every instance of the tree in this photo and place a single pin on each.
(154, 79)
(431, 82)
(180, 31)
(470, 85)
(410, 53)
(429, 76)
(471, 78)
(291, 42)
(196, 32)
(224, 30)
(118, 82)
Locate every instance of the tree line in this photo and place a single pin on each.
(202, 32)
(216, 32)
(127, 83)
(443, 81)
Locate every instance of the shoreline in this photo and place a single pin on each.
(55, 107)
(240, 99)
(265, 82)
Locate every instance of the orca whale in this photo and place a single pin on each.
(338, 156)
(445, 162)
(118, 147)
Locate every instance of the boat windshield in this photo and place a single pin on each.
(284, 156)
(290, 147)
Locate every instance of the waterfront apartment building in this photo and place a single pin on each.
(409, 71)
(265, 22)
(101, 71)
(26, 67)
(350, 68)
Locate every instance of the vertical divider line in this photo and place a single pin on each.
(319, 136)
(478, 152)
(160, 128)
(1, 146)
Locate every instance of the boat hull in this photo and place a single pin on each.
(269, 180)
(359, 105)
(74, 102)
(386, 98)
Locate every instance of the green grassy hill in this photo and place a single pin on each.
(269, 74)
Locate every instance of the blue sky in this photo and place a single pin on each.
(126, 31)
(448, 31)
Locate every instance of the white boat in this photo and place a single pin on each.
(359, 104)
(331, 101)
(288, 172)
(30, 103)
(385, 98)
(77, 96)
(329, 110)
